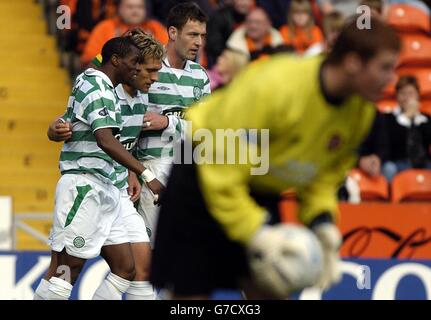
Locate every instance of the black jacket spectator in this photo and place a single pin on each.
(408, 139)
(220, 26)
(277, 10)
(377, 140)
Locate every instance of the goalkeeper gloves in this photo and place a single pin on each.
(330, 239)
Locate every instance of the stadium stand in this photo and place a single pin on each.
(33, 91)
(412, 20)
(412, 185)
(371, 188)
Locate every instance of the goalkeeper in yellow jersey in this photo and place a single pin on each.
(316, 112)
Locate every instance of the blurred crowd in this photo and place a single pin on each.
(254, 28)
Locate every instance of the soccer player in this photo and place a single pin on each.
(133, 102)
(181, 82)
(317, 111)
(87, 219)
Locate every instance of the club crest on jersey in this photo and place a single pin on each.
(334, 142)
(197, 92)
(103, 112)
(79, 242)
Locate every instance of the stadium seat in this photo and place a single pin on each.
(26, 159)
(416, 50)
(412, 185)
(407, 18)
(33, 91)
(389, 90)
(371, 188)
(387, 105)
(71, 4)
(288, 195)
(426, 107)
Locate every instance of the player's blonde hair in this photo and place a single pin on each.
(148, 46)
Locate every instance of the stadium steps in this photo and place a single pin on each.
(18, 125)
(33, 91)
(26, 160)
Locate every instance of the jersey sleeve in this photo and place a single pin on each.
(97, 112)
(321, 195)
(207, 86)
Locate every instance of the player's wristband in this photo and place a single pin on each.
(147, 175)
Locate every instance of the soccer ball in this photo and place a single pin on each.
(285, 258)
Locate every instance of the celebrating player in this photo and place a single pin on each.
(88, 219)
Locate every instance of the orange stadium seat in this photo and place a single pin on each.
(288, 195)
(408, 18)
(412, 185)
(389, 91)
(71, 4)
(371, 188)
(416, 50)
(387, 105)
(426, 107)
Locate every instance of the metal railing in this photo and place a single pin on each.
(18, 223)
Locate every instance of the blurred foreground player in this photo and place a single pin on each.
(215, 217)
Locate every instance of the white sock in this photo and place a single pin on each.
(59, 289)
(112, 288)
(41, 292)
(140, 290)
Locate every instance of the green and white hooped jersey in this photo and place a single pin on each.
(132, 117)
(174, 91)
(92, 105)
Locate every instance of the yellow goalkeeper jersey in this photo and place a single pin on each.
(312, 143)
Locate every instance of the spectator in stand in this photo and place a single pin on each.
(333, 23)
(88, 15)
(378, 8)
(229, 63)
(276, 10)
(221, 25)
(160, 8)
(349, 7)
(346, 7)
(409, 131)
(301, 31)
(131, 14)
(256, 38)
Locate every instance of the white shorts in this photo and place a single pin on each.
(86, 216)
(133, 221)
(146, 208)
